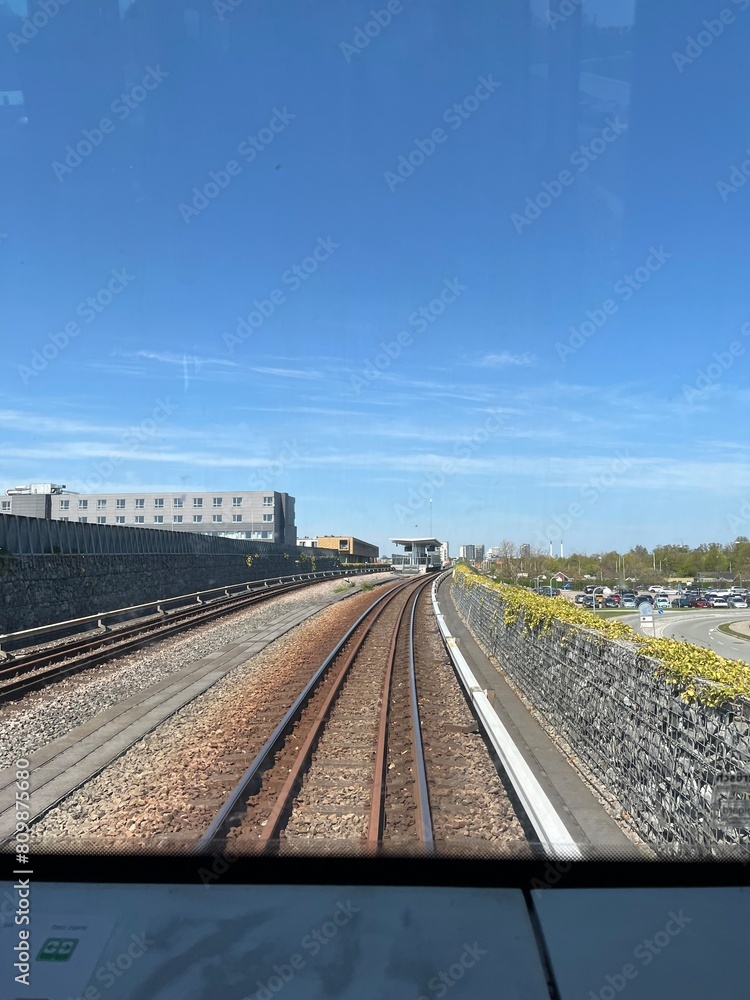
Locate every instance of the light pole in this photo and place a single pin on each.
(542, 576)
(430, 517)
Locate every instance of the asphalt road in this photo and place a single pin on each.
(700, 627)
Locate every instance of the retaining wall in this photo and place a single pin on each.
(659, 756)
(38, 590)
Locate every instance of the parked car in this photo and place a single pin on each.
(684, 602)
(610, 602)
(701, 602)
(580, 598)
(644, 597)
(737, 602)
(662, 602)
(719, 602)
(628, 602)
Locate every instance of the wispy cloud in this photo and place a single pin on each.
(504, 359)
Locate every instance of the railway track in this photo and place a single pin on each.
(43, 667)
(346, 766)
(376, 750)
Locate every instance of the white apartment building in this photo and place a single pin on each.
(259, 515)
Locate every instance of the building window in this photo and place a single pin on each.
(218, 517)
(197, 501)
(236, 501)
(177, 502)
(159, 502)
(120, 519)
(159, 519)
(197, 518)
(177, 518)
(140, 519)
(343, 543)
(5, 505)
(101, 520)
(83, 504)
(101, 504)
(218, 501)
(120, 504)
(268, 517)
(140, 504)
(64, 518)
(268, 501)
(82, 520)
(236, 517)
(64, 504)
(265, 534)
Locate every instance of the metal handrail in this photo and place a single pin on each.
(157, 604)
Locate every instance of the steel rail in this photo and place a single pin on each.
(426, 834)
(377, 801)
(198, 596)
(251, 780)
(137, 637)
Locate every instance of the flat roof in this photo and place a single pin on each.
(416, 541)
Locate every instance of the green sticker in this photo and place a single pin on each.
(57, 949)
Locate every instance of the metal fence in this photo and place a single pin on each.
(36, 536)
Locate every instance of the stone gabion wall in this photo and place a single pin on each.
(659, 756)
(38, 590)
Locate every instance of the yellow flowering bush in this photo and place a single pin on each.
(700, 674)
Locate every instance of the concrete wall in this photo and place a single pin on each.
(659, 756)
(38, 590)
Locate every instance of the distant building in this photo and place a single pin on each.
(525, 551)
(444, 552)
(472, 553)
(350, 549)
(258, 515)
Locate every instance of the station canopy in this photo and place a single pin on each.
(421, 543)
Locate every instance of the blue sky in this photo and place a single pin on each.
(497, 406)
